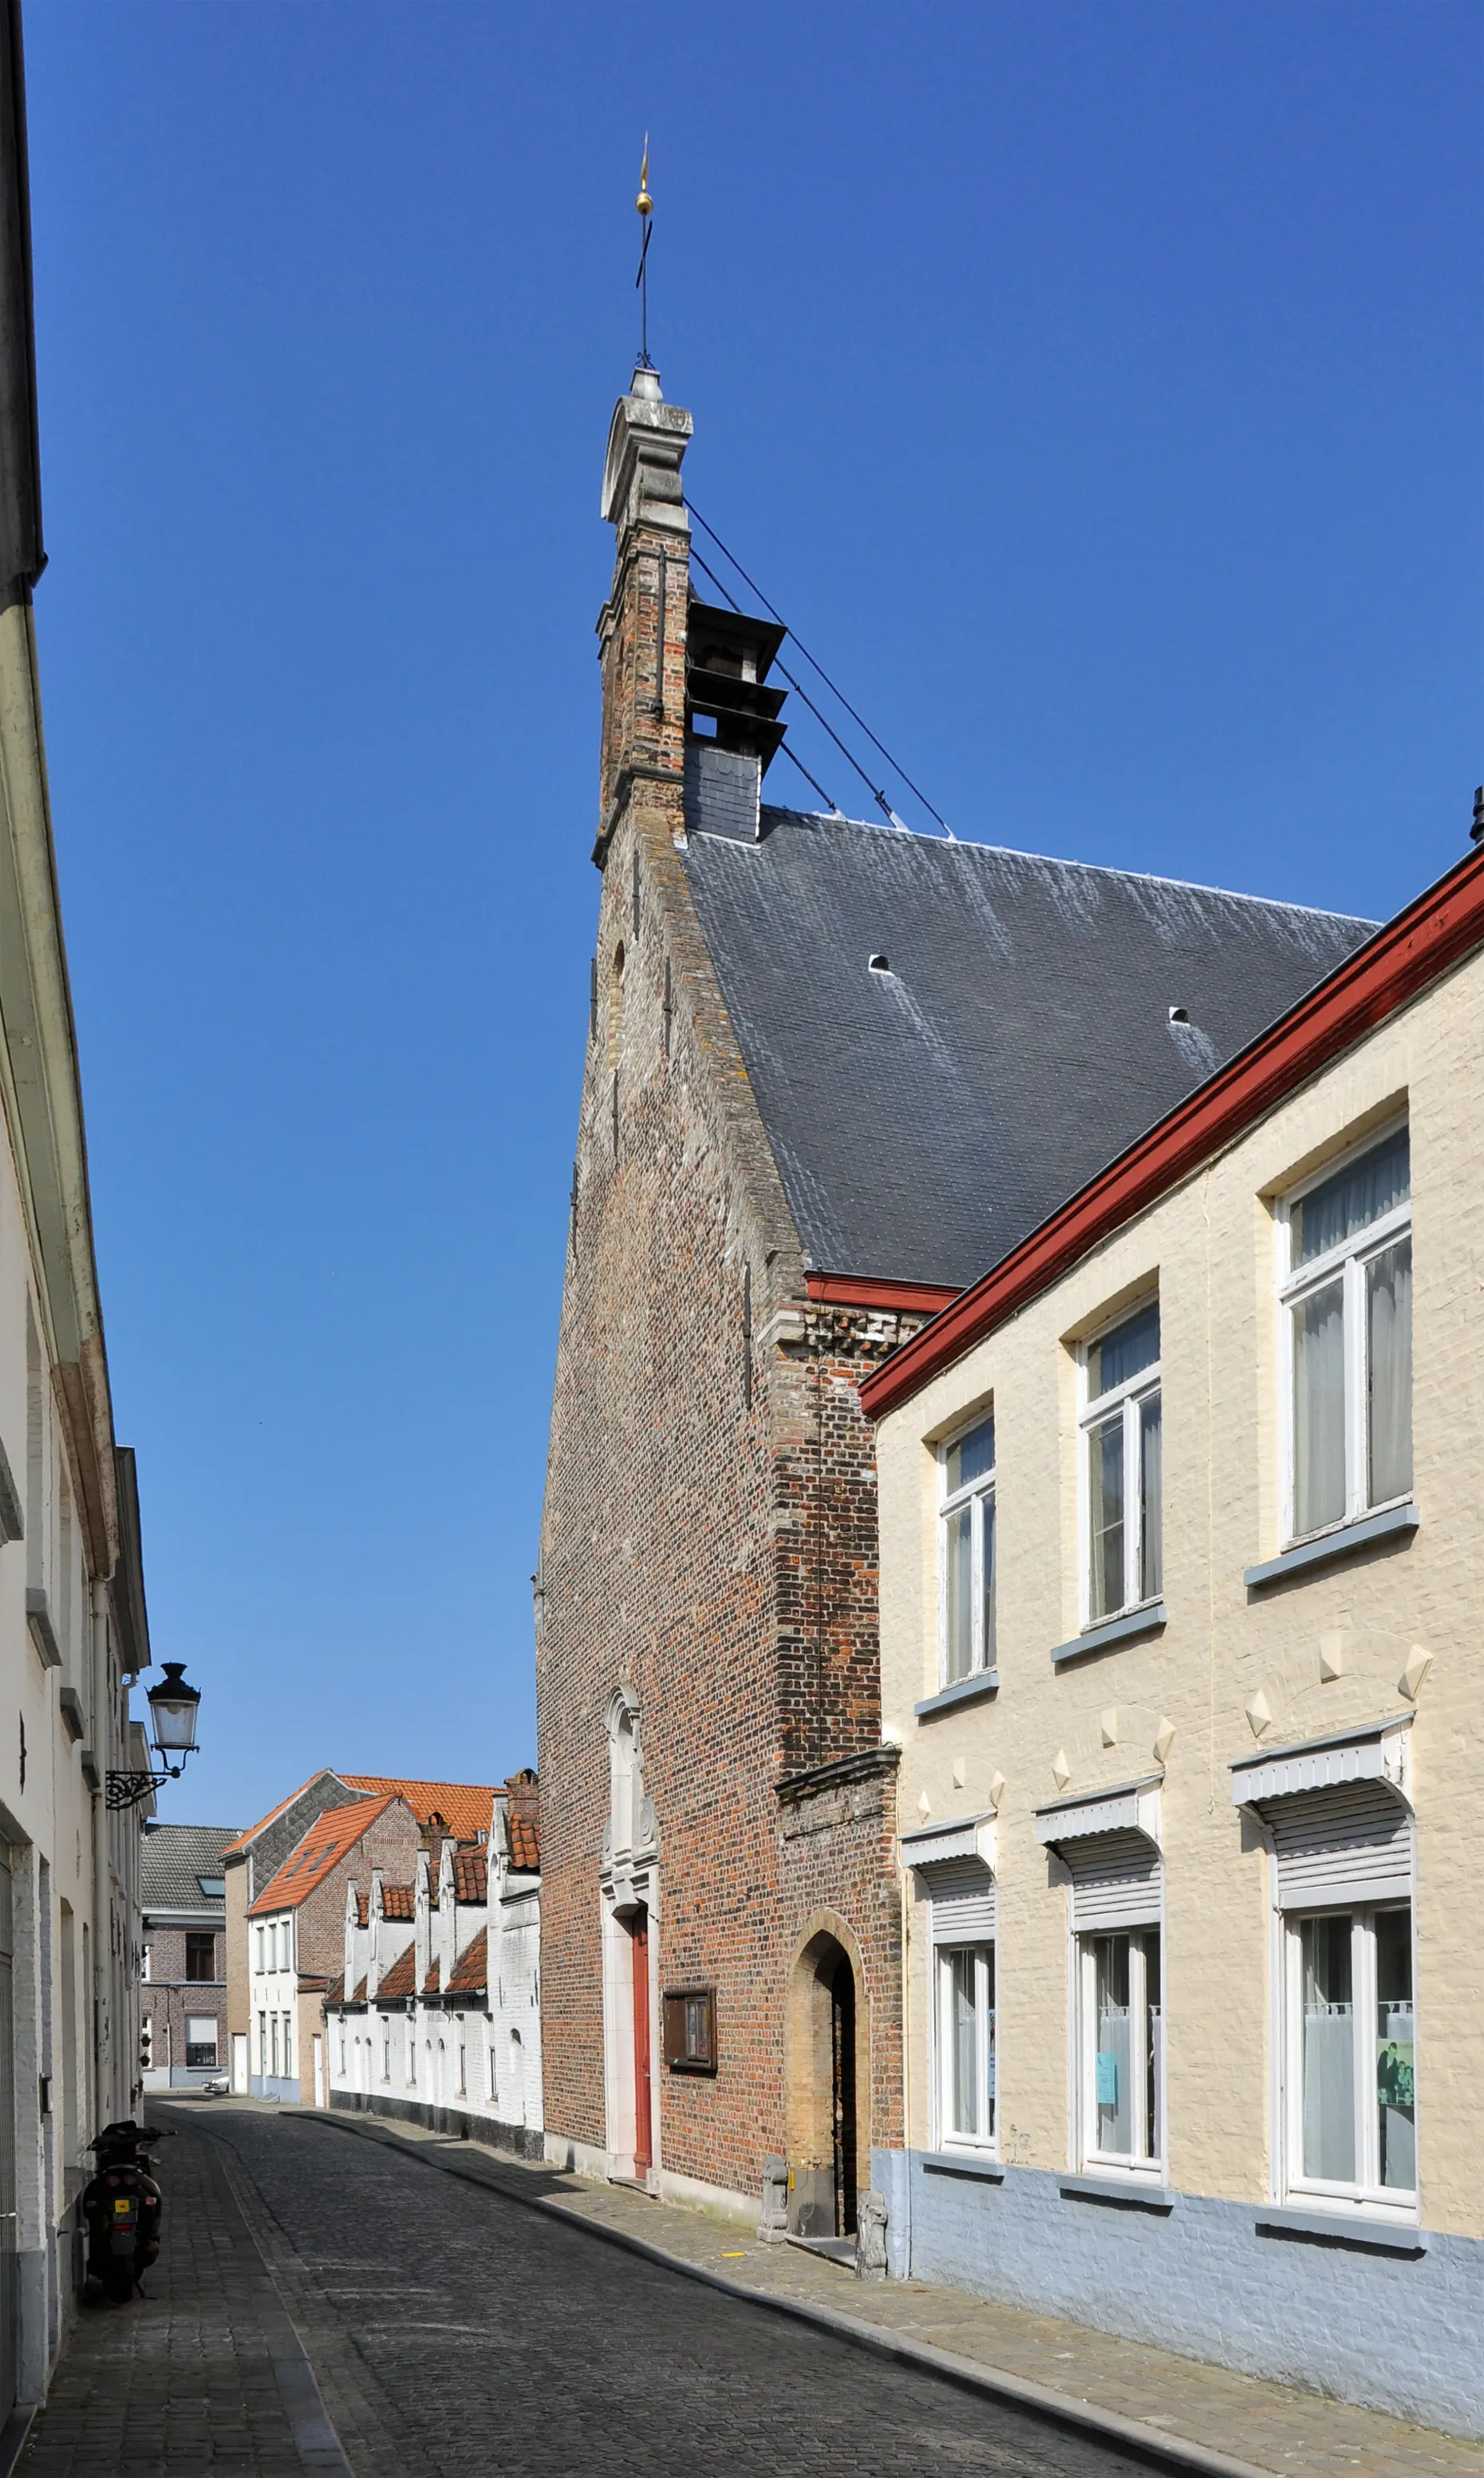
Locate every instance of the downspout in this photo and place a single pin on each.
(102, 1917)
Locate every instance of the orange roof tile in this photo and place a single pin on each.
(362, 1909)
(430, 1984)
(397, 1902)
(328, 1839)
(525, 1855)
(470, 1876)
(401, 1979)
(471, 1970)
(463, 1806)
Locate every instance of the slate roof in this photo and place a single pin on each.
(328, 1839)
(463, 1806)
(927, 1117)
(172, 1856)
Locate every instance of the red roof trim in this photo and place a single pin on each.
(871, 1291)
(1418, 947)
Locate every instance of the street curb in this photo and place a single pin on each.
(1168, 2452)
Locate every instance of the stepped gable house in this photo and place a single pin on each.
(832, 1071)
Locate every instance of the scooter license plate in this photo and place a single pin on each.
(123, 2210)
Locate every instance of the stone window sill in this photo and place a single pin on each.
(1330, 1545)
(1121, 1629)
(962, 2163)
(1342, 2229)
(1123, 2192)
(963, 1690)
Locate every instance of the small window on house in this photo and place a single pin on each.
(200, 1957)
(690, 2030)
(1123, 1465)
(966, 1553)
(1346, 1305)
(200, 2039)
(965, 2042)
(262, 1948)
(1121, 2049)
(212, 1887)
(1351, 2055)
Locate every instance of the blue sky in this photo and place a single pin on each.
(1097, 390)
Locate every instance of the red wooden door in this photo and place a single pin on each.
(644, 2142)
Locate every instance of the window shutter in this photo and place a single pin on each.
(1114, 1880)
(963, 1903)
(1347, 1844)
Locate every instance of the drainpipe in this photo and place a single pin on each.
(102, 1922)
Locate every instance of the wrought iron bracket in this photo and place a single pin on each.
(131, 1789)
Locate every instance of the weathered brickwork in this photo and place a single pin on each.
(708, 1539)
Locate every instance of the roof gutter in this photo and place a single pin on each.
(1425, 941)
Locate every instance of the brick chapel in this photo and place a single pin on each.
(834, 1071)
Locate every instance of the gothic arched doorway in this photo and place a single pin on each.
(828, 2081)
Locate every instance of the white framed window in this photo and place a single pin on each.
(1122, 1465)
(1345, 1294)
(965, 1562)
(261, 1949)
(340, 2028)
(386, 2056)
(966, 2043)
(200, 2039)
(1121, 2049)
(1350, 2056)
(288, 2043)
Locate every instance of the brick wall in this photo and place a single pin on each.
(709, 1537)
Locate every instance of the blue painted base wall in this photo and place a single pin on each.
(1393, 2333)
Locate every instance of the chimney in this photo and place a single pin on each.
(641, 626)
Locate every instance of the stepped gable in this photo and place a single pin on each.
(925, 1117)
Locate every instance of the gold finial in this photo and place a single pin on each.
(643, 202)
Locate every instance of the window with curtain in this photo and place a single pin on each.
(1348, 1316)
(965, 2042)
(1351, 2055)
(1121, 2063)
(1123, 1465)
(966, 1552)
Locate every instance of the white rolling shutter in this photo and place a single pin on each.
(1114, 1880)
(963, 1900)
(1341, 1845)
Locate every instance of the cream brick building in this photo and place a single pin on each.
(1183, 1641)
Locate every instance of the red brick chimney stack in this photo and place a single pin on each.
(642, 628)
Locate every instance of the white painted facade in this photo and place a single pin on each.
(273, 2029)
(438, 2018)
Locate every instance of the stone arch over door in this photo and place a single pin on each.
(826, 2051)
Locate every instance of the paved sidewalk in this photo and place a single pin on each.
(204, 2377)
(1272, 2426)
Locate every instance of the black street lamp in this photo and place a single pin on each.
(172, 1706)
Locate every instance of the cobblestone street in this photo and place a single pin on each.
(451, 2331)
(362, 2300)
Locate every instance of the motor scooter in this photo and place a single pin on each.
(122, 2207)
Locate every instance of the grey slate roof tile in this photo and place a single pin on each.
(927, 1118)
(172, 1857)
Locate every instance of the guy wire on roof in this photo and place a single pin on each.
(786, 750)
(896, 769)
